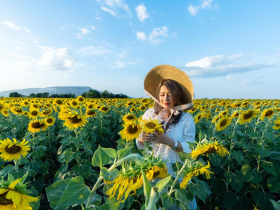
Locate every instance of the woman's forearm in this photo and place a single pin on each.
(171, 143)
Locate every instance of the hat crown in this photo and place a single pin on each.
(161, 72)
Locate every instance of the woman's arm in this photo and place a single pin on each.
(164, 139)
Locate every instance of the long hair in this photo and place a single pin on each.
(177, 96)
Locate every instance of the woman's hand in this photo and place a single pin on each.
(146, 137)
(163, 139)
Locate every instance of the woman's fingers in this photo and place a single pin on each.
(148, 137)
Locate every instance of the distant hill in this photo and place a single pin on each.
(77, 90)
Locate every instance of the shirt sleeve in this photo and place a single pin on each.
(188, 133)
(148, 114)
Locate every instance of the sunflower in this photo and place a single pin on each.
(104, 109)
(216, 118)
(58, 102)
(218, 110)
(80, 99)
(74, 103)
(17, 110)
(91, 113)
(235, 114)
(247, 116)
(37, 126)
(50, 120)
(223, 123)
(208, 147)
(25, 103)
(35, 106)
(15, 197)
(130, 103)
(13, 150)
(236, 104)
(75, 120)
(268, 113)
(130, 178)
(198, 117)
(5, 112)
(151, 126)
(90, 106)
(276, 125)
(131, 130)
(195, 170)
(2, 106)
(34, 113)
(142, 108)
(129, 117)
(46, 112)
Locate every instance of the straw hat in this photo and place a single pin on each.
(158, 73)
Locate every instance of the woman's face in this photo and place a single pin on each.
(165, 98)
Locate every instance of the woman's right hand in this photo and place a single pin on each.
(146, 137)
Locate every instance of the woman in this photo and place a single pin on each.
(172, 91)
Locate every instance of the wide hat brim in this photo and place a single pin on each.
(158, 73)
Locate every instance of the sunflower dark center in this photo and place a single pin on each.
(59, 102)
(248, 115)
(156, 174)
(4, 201)
(37, 125)
(13, 149)
(18, 110)
(132, 129)
(74, 103)
(104, 108)
(90, 106)
(130, 117)
(199, 117)
(151, 125)
(211, 150)
(268, 113)
(75, 119)
(91, 112)
(50, 120)
(81, 99)
(34, 113)
(46, 111)
(223, 123)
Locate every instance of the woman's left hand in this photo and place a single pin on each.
(162, 138)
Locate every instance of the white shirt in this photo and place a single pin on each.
(183, 131)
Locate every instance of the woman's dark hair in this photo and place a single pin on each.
(177, 96)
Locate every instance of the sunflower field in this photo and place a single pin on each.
(81, 154)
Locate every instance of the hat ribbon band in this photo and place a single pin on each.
(179, 107)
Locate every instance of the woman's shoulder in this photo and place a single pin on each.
(186, 117)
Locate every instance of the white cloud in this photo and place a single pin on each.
(98, 18)
(141, 36)
(158, 32)
(108, 10)
(245, 82)
(21, 48)
(142, 13)
(95, 51)
(92, 27)
(220, 65)
(115, 7)
(26, 29)
(59, 59)
(62, 28)
(193, 10)
(205, 4)
(84, 31)
(228, 77)
(11, 24)
(118, 64)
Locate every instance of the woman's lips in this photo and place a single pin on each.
(166, 104)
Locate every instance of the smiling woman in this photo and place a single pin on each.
(172, 90)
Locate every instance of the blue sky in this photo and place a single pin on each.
(230, 49)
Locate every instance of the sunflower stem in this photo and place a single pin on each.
(16, 165)
(153, 199)
(115, 164)
(265, 128)
(177, 177)
(231, 145)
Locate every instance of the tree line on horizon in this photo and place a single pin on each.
(89, 94)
